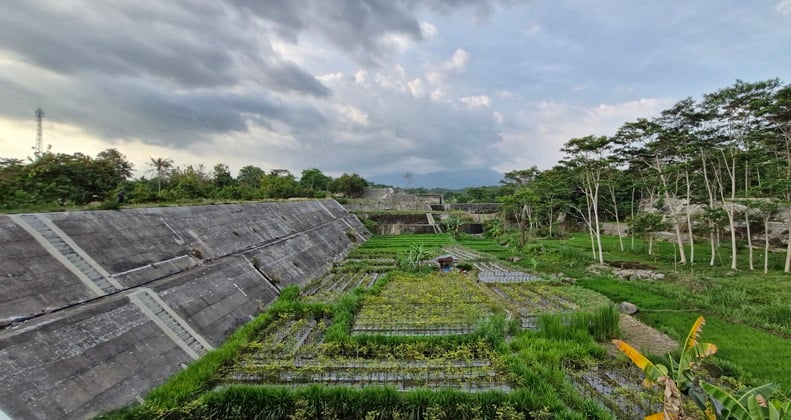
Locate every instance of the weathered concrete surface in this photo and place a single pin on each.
(183, 275)
(78, 364)
(305, 255)
(217, 298)
(29, 275)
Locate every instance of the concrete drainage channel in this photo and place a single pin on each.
(63, 249)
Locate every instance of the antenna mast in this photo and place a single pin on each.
(39, 131)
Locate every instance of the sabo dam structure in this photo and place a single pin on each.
(98, 307)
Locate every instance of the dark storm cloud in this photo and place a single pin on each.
(91, 38)
(178, 45)
(358, 27)
(135, 109)
(178, 72)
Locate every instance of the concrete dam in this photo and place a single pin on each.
(98, 307)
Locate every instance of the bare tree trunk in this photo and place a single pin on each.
(731, 209)
(689, 220)
(631, 231)
(732, 222)
(617, 219)
(749, 238)
(676, 225)
(598, 226)
(713, 240)
(787, 136)
(590, 232)
(766, 243)
(679, 240)
(711, 206)
(788, 250)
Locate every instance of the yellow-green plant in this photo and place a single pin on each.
(676, 377)
(752, 404)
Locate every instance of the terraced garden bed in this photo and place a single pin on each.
(534, 299)
(437, 304)
(367, 328)
(292, 351)
(490, 270)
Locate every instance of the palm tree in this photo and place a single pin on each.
(160, 166)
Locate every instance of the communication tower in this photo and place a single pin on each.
(39, 131)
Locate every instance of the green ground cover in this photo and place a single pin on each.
(748, 312)
(437, 301)
(301, 358)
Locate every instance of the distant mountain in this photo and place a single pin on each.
(452, 180)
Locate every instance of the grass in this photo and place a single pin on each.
(748, 313)
(532, 364)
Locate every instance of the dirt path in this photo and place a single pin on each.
(645, 338)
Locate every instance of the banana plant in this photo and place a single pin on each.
(749, 405)
(676, 377)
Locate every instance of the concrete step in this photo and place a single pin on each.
(172, 324)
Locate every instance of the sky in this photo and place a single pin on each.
(366, 86)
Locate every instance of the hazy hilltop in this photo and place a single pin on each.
(452, 180)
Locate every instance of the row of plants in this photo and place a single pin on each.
(529, 300)
(298, 341)
(328, 287)
(748, 356)
(426, 302)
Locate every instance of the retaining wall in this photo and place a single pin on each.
(99, 307)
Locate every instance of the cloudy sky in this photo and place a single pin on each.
(366, 86)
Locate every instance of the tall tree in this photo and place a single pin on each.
(587, 156)
(349, 185)
(646, 145)
(739, 110)
(250, 177)
(160, 166)
(222, 176)
(314, 180)
(119, 165)
(779, 114)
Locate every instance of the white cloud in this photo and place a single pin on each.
(455, 65)
(784, 7)
(428, 30)
(459, 60)
(352, 115)
(536, 132)
(360, 77)
(417, 88)
(330, 77)
(476, 101)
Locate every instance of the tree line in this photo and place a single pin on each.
(718, 168)
(77, 179)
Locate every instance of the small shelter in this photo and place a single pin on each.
(446, 262)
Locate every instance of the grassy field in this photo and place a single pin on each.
(748, 313)
(375, 339)
(308, 357)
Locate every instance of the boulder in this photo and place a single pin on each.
(628, 308)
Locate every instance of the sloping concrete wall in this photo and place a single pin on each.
(26, 288)
(99, 307)
(80, 363)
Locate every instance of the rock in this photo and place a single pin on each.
(515, 259)
(628, 308)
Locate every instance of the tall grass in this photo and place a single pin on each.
(334, 402)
